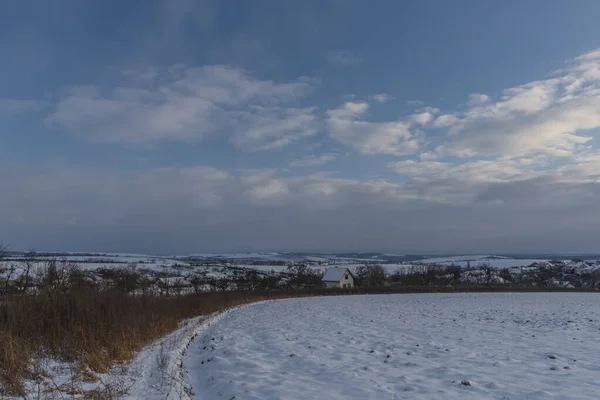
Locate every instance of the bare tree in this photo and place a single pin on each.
(489, 276)
(8, 271)
(164, 286)
(198, 282)
(301, 276)
(179, 286)
(3, 268)
(55, 276)
(370, 275)
(223, 284)
(24, 280)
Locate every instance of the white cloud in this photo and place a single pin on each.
(460, 184)
(445, 120)
(592, 55)
(200, 102)
(346, 125)
(423, 118)
(548, 116)
(469, 182)
(551, 116)
(341, 58)
(477, 99)
(312, 161)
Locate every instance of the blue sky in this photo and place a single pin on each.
(186, 126)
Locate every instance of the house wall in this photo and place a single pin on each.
(347, 280)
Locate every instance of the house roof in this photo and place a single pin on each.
(334, 274)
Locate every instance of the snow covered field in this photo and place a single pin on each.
(429, 346)
(180, 264)
(476, 260)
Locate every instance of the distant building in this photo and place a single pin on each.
(338, 278)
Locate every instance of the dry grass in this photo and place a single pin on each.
(94, 328)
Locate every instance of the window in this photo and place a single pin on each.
(346, 277)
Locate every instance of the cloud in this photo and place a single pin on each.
(201, 208)
(497, 180)
(592, 55)
(270, 128)
(446, 120)
(189, 106)
(382, 97)
(142, 77)
(551, 116)
(418, 168)
(426, 156)
(312, 161)
(423, 118)
(341, 58)
(477, 99)
(16, 107)
(346, 125)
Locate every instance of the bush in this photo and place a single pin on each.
(370, 275)
(303, 277)
(427, 275)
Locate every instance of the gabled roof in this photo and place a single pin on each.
(335, 274)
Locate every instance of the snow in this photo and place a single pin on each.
(95, 263)
(584, 266)
(334, 274)
(476, 260)
(426, 346)
(248, 256)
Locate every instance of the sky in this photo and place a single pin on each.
(185, 126)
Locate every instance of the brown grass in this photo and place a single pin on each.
(94, 328)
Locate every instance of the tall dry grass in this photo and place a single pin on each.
(94, 328)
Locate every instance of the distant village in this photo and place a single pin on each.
(32, 272)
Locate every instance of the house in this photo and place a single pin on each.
(338, 278)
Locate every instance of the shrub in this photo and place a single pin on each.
(302, 277)
(370, 275)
